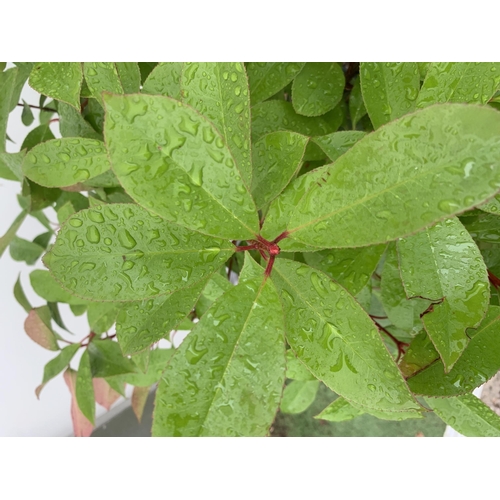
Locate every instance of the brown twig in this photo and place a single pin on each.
(49, 110)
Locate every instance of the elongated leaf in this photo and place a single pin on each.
(318, 88)
(298, 396)
(7, 238)
(102, 315)
(20, 295)
(37, 326)
(81, 426)
(220, 92)
(64, 162)
(102, 77)
(420, 353)
(339, 411)
(72, 123)
(215, 287)
(7, 80)
(402, 178)
(49, 289)
(184, 172)
(84, 389)
(479, 362)
(55, 366)
(24, 250)
(139, 398)
(467, 415)
(140, 255)
(141, 324)
(27, 115)
(390, 90)
(351, 267)
(141, 359)
(267, 78)
(226, 377)
(272, 116)
(336, 144)
(105, 395)
(10, 166)
(459, 82)
(483, 228)
(130, 76)
(107, 360)
(165, 79)
(357, 107)
(61, 81)
(443, 262)
(277, 157)
(337, 341)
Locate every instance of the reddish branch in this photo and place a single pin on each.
(494, 280)
(401, 346)
(49, 110)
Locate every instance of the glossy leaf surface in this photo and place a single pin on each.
(184, 171)
(165, 79)
(318, 88)
(139, 254)
(389, 90)
(226, 377)
(220, 92)
(49, 289)
(102, 77)
(443, 262)
(65, 162)
(335, 338)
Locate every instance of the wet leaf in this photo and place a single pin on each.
(102, 315)
(336, 144)
(165, 79)
(420, 353)
(214, 288)
(107, 360)
(36, 136)
(295, 369)
(49, 289)
(141, 255)
(298, 396)
(226, 377)
(102, 77)
(191, 177)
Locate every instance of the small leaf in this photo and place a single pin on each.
(37, 326)
(107, 360)
(24, 250)
(336, 339)
(339, 411)
(142, 255)
(191, 178)
(267, 78)
(165, 79)
(20, 296)
(467, 415)
(61, 81)
(443, 262)
(55, 366)
(64, 162)
(277, 158)
(102, 315)
(36, 136)
(139, 398)
(105, 395)
(357, 107)
(298, 396)
(72, 124)
(250, 270)
(81, 426)
(84, 389)
(336, 144)
(390, 90)
(234, 359)
(318, 88)
(214, 288)
(27, 115)
(141, 359)
(459, 82)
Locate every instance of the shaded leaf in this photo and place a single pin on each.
(298, 396)
(81, 426)
(357, 107)
(339, 411)
(84, 389)
(214, 288)
(420, 353)
(139, 398)
(10, 166)
(20, 296)
(27, 115)
(72, 123)
(36, 136)
(102, 315)
(336, 144)
(107, 360)
(130, 76)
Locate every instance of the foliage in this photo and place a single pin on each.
(356, 204)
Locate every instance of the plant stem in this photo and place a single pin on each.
(401, 346)
(49, 110)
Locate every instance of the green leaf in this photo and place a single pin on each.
(65, 212)
(467, 415)
(318, 88)
(183, 172)
(357, 107)
(56, 315)
(272, 116)
(79, 309)
(479, 362)
(72, 124)
(24, 250)
(443, 262)
(492, 206)
(459, 82)
(7, 80)
(336, 144)
(250, 270)
(23, 72)
(10, 166)
(483, 228)
(336, 339)
(130, 76)
(226, 377)
(141, 255)
(277, 158)
(339, 411)
(20, 296)
(37, 326)
(84, 388)
(6, 239)
(102, 77)
(295, 369)
(141, 359)
(220, 92)
(351, 267)
(267, 78)
(107, 360)
(57, 365)
(39, 197)
(61, 81)
(43, 239)
(298, 396)
(141, 324)
(49, 289)
(214, 288)
(403, 178)
(389, 90)
(81, 426)
(419, 354)
(39, 134)
(27, 115)
(158, 361)
(65, 162)
(102, 315)
(165, 79)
